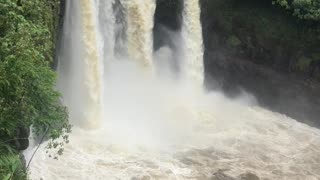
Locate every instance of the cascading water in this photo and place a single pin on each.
(193, 48)
(106, 23)
(140, 23)
(93, 64)
(83, 70)
(152, 128)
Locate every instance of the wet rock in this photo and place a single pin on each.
(23, 160)
(189, 161)
(167, 19)
(60, 14)
(169, 13)
(220, 175)
(241, 54)
(21, 141)
(248, 176)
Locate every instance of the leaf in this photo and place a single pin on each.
(7, 177)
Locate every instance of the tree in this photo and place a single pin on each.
(304, 9)
(27, 93)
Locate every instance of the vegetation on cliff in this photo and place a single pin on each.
(27, 94)
(262, 48)
(265, 34)
(304, 9)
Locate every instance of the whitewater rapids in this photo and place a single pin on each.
(182, 134)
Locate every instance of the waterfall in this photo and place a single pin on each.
(106, 24)
(193, 67)
(120, 48)
(80, 64)
(96, 32)
(142, 126)
(140, 24)
(93, 70)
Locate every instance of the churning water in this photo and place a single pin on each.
(132, 123)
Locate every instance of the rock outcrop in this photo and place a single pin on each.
(254, 46)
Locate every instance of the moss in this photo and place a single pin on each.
(263, 33)
(316, 56)
(233, 41)
(303, 63)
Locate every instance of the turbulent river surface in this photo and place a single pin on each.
(192, 142)
(135, 119)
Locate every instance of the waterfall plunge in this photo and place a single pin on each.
(89, 48)
(92, 27)
(81, 64)
(152, 128)
(93, 63)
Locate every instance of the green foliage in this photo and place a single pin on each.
(268, 35)
(303, 63)
(233, 41)
(304, 9)
(11, 168)
(10, 164)
(27, 94)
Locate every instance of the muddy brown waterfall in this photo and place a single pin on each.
(136, 118)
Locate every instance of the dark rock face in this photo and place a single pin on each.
(59, 30)
(23, 135)
(21, 141)
(169, 13)
(248, 176)
(120, 33)
(166, 31)
(220, 175)
(251, 45)
(168, 17)
(280, 92)
(23, 160)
